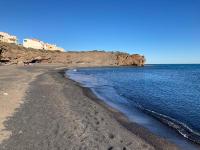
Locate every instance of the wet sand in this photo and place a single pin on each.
(55, 113)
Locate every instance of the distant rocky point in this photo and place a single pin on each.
(15, 54)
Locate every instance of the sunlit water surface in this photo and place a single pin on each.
(163, 98)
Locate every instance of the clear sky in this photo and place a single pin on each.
(165, 31)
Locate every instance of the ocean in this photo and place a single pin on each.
(163, 98)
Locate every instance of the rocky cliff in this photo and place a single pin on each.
(13, 54)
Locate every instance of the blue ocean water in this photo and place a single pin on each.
(163, 98)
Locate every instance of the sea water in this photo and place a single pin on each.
(163, 98)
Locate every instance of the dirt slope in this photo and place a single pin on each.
(13, 54)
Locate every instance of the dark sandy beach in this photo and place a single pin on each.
(52, 112)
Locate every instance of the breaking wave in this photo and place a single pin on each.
(180, 127)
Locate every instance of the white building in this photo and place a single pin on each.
(52, 47)
(37, 44)
(61, 49)
(7, 38)
(33, 43)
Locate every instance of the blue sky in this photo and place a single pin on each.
(165, 31)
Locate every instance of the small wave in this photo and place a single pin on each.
(75, 70)
(180, 127)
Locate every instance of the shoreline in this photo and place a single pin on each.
(135, 128)
(58, 112)
(57, 115)
(156, 141)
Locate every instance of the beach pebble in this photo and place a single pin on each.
(5, 94)
(20, 132)
(21, 102)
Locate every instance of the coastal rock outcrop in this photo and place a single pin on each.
(13, 54)
(127, 60)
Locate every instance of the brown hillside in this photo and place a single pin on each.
(13, 54)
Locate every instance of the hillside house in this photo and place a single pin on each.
(61, 49)
(7, 38)
(33, 43)
(52, 47)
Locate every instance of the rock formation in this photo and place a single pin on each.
(13, 54)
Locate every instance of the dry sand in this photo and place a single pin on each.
(57, 114)
(13, 84)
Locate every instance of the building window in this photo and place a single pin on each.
(12, 40)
